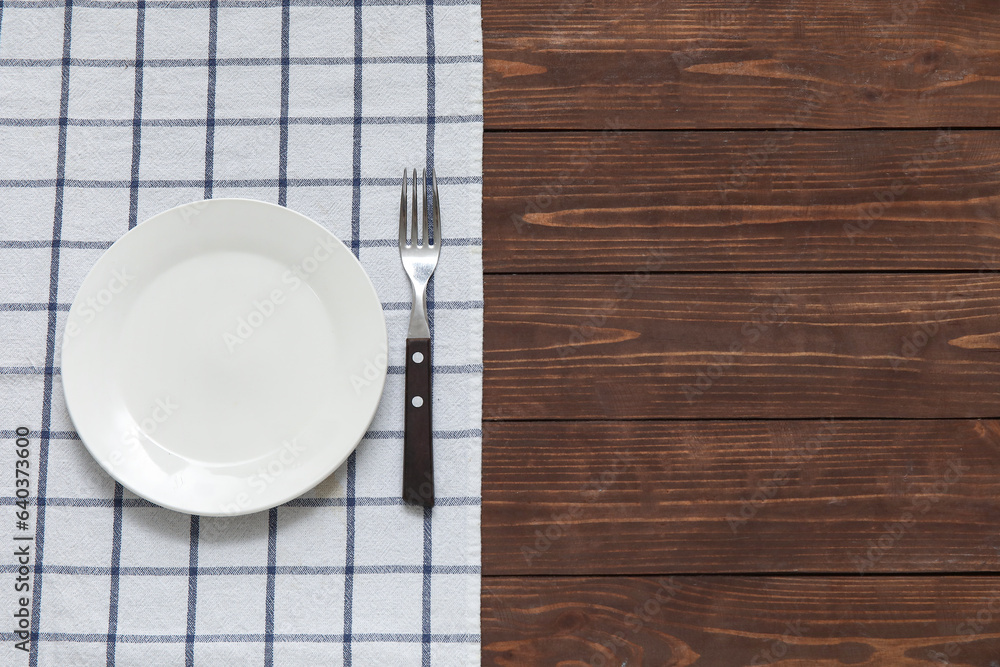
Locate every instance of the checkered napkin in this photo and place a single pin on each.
(114, 110)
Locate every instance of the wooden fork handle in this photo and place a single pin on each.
(418, 453)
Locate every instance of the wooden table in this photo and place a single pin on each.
(742, 333)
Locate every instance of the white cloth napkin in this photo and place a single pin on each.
(113, 110)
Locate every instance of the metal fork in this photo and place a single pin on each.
(420, 257)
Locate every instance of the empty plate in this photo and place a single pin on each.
(224, 357)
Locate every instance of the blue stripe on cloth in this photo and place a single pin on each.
(283, 126)
(443, 369)
(192, 597)
(450, 434)
(374, 434)
(463, 369)
(202, 4)
(377, 501)
(100, 245)
(391, 243)
(50, 340)
(240, 122)
(213, 37)
(240, 570)
(425, 620)
(358, 111)
(233, 183)
(349, 502)
(359, 501)
(272, 559)
(133, 204)
(243, 638)
(237, 62)
(272, 517)
(133, 214)
(428, 512)
(352, 461)
(386, 305)
(115, 572)
(213, 44)
(440, 305)
(61, 243)
(29, 370)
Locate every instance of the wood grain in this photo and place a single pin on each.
(664, 413)
(853, 497)
(728, 621)
(742, 201)
(645, 346)
(571, 64)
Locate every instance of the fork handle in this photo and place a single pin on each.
(418, 454)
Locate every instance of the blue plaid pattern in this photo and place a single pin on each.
(113, 110)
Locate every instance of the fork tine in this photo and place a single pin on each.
(402, 214)
(413, 225)
(426, 211)
(437, 210)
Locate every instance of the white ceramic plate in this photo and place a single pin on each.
(224, 357)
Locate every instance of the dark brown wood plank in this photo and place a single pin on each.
(639, 346)
(727, 621)
(730, 496)
(755, 63)
(742, 201)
